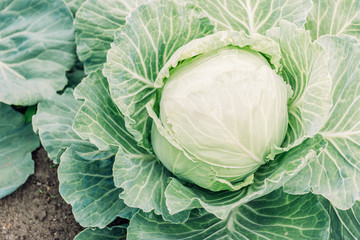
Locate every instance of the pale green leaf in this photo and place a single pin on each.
(95, 24)
(53, 122)
(338, 181)
(144, 180)
(99, 119)
(36, 49)
(274, 216)
(253, 16)
(334, 17)
(305, 69)
(87, 184)
(335, 174)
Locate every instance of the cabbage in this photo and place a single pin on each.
(211, 119)
(226, 109)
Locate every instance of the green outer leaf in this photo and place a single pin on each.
(334, 17)
(336, 172)
(36, 49)
(88, 186)
(267, 178)
(345, 225)
(160, 28)
(17, 141)
(99, 119)
(53, 123)
(95, 24)
(144, 180)
(305, 69)
(116, 232)
(255, 16)
(274, 216)
(338, 181)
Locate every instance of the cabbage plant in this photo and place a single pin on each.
(37, 48)
(211, 120)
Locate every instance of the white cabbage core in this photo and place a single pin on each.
(227, 109)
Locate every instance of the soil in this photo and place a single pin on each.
(36, 210)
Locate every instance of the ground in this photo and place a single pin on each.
(36, 210)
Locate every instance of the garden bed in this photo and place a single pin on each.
(36, 210)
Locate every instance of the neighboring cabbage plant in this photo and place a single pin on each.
(36, 49)
(17, 141)
(212, 120)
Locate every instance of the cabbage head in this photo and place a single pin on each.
(224, 110)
